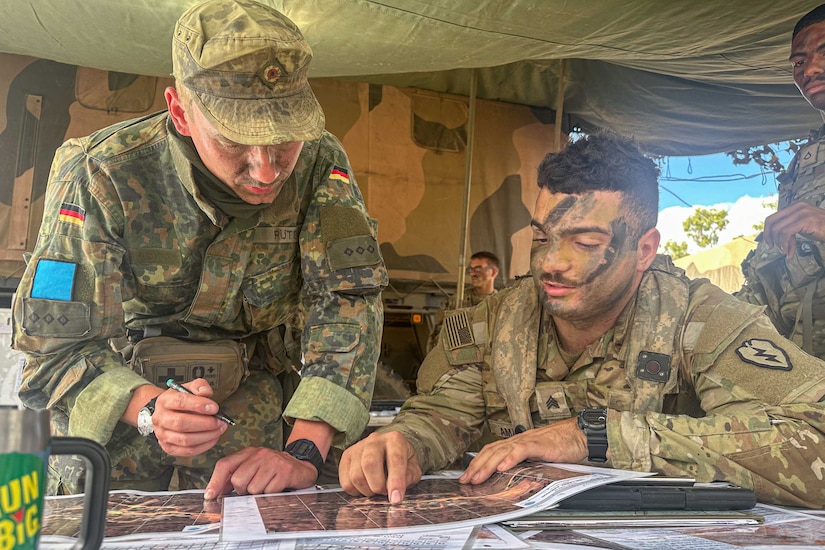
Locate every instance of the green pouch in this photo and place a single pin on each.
(222, 363)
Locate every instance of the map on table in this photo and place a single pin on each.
(434, 503)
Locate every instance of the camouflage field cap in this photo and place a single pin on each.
(246, 66)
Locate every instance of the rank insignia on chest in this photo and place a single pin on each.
(654, 367)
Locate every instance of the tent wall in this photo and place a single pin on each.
(407, 149)
(685, 78)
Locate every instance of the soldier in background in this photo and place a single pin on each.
(483, 270)
(610, 354)
(785, 271)
(204, 233)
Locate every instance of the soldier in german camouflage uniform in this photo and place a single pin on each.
(230, 218)
(610, 354)
(785, 271)
(483, 270)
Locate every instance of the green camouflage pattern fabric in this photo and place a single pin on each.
(139, 463)
(729, 400)
(266, 98)
(794, 289)
(151, 251)
(471, 298)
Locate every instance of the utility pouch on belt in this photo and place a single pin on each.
(222, 363)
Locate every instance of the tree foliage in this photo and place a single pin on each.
(676, 250)
(773, 205)
(766, 155)
(704, 224)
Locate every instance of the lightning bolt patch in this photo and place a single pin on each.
(764, 353)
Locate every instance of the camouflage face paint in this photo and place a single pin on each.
(581, 256)
(616, 245)
(565, 206)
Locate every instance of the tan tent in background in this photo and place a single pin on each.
(685, 78)
(722, 264)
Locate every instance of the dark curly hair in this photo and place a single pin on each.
(606, 161)
(814, 16)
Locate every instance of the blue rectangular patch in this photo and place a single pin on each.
(53, 280)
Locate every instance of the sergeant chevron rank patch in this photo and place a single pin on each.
(764, 353)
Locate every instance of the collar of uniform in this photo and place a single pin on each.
(557, 363)
(184, 169)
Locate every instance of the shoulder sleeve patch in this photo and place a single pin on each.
(55, 318)
(764, 353)
(72, 213)
(357, 251)
(458, 331)
(53, 280)
(713, 325)
(338, 222)
(348, 238)
(339, 174)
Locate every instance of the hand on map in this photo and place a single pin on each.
(380, 464)
(258, 470)
(561, 441)
(183, 422)
(782, 227)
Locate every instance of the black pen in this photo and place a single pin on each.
(219, 415)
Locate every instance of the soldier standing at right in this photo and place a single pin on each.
(785, 271)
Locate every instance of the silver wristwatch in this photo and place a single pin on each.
(144, 418)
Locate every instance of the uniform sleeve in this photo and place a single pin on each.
(343, 276)
(764, 426)
(442, 419)
(751, 290)
(69, 302)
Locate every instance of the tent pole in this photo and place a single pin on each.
(559, 106)
(468, 170)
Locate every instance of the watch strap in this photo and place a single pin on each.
(596, 434)
(306, 450)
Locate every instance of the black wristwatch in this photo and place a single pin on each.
(593, 422)
(144, 418)
(304, 449)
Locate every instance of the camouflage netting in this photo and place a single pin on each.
(684, 77)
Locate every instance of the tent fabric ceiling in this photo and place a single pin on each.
(684, 77)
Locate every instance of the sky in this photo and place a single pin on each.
(713, 181)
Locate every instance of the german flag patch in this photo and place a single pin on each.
(339, 174)
(72, 213)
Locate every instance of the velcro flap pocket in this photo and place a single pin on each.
(333, 337)
(56, 318)
(356, 251)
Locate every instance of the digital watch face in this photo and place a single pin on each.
(592, 418)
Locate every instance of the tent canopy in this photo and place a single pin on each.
(685, 78)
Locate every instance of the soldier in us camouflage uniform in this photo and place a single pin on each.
(665, 374)
(483, 270)
(785, 271)
(229, 216)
